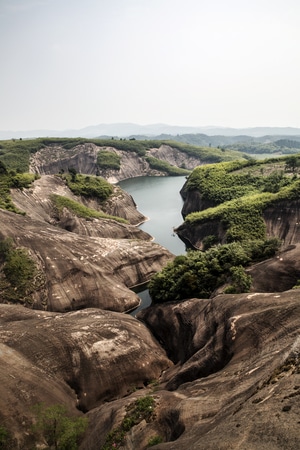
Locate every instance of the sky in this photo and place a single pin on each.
(68, 64)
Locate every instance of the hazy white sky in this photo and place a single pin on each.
(74, 63)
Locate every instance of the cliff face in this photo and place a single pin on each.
(54, 159)
(193, 201)
(174, 157)
(237, 382)
(282, 220)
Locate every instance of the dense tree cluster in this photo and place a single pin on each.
(198, 274)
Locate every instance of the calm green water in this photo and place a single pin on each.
(158, 199)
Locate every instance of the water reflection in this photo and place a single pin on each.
(159, 199)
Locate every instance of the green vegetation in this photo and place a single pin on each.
(18, 277)
(206, 154)
(163, 166)
(239, 192)
(281, 146)
(199, 274)
(141, 409)
(108, 160)
(11, 179)
(15, 154)
(59, 430)
(80, 210)
(155, 440)
(88, 186)
(4, 438)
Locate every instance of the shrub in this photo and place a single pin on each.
(197, 274)
(10, 180)
(59, 429)
(163, 166)
(80, 210)
(155, 440)
(18, 278)
(108, 160)
(89, 186)
(19, 268)
(240, 281)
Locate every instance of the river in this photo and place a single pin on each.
(158, 198)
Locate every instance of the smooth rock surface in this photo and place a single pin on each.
(83, 271)
(80, 359)
(236, 386)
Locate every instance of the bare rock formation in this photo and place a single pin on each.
(282, 220)
(54, 159)
(235, 382)
(175, 157)
(80, 359)
(78, 271)
(277, 274)
(36, 202)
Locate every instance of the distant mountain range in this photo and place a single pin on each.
(126, 130)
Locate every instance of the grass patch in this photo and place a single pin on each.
(163, 166)
(19, 276)
(108, 160)
(89, 186)
(10, 180)
(80, 210)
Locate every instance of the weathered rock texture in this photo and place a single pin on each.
(83, 271)
(83, 158)
(80, 359)
(236, 379)
(277, 274)
(226, 370)
(175, 157)
(36, 202)
(282, 221)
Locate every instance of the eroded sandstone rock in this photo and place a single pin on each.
(236, 382)
(83, 271)
(80, 359)
(54, 159)
(281, 219)
(174, 157)
(37, 203)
